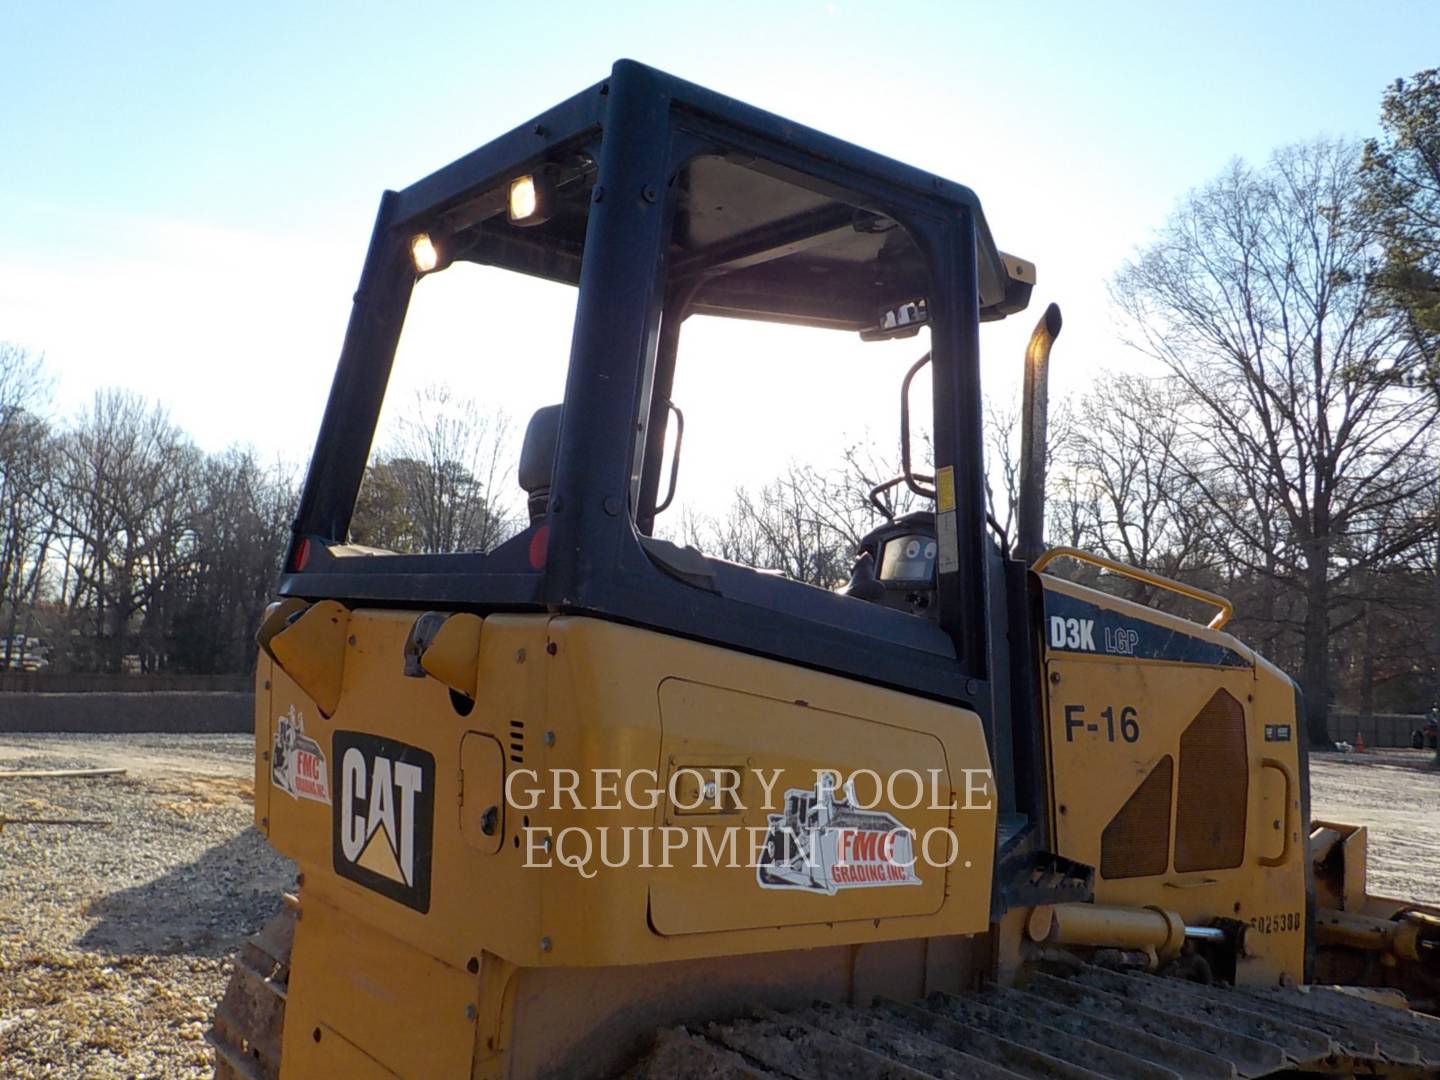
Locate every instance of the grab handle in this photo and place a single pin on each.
(1291, 811)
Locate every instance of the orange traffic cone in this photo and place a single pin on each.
(1359, 743)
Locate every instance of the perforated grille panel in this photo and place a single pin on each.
(1136, 843)
(1214, 780)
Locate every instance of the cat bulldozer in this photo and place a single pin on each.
(594, 803)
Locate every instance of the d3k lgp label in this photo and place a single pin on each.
(384, 820)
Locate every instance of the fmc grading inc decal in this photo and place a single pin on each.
(822, 843)
(297, 764)
(384, 820)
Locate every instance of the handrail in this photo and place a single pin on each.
(1227, 609)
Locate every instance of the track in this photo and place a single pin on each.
(250, 1019)
(1089, 1025)
(1092, 1024)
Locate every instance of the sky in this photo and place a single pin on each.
(187, 190)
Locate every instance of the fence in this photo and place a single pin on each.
(47, 682)
(1385, 729)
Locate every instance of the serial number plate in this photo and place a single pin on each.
(1276, 924)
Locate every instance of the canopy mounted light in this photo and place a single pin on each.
(434, 249)
(532, 199)
(424, 253)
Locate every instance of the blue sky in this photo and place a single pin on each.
(186, 189)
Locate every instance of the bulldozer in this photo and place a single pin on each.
(594, 803)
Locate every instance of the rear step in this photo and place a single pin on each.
(1091, 1024)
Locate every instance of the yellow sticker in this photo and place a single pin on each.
(945, 489)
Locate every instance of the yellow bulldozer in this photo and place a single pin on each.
(594, 803)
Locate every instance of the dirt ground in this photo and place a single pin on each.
(1396, 793)
(115, 937)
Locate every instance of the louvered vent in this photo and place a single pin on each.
(517, 741)
(1136, 843)
(1214, 781)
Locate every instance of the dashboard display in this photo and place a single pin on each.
(908, 558)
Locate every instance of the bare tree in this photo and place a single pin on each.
(732, 536)
(450, 466)
(1126, 461)
(1256, 297)
(793, 525)
(124, 495)
(808, 522)
(238, 539)
(26, 465)
(1002, 463)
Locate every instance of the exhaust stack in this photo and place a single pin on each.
(1035, 418)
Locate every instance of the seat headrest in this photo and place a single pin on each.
(537, 457)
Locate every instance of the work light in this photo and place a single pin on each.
(424, 253)
(532, 199)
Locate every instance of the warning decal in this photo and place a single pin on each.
(945, 489)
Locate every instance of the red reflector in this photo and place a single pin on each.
(302, 553)
(539, 543)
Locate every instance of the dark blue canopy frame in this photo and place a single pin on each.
(644, 126)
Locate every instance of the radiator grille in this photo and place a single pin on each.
(1136, 843)
(1214, 783)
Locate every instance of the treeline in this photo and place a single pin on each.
(126, 548)
(123, 547)
(1283, 453)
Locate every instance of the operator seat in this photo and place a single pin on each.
(537, 459)
(537, 463)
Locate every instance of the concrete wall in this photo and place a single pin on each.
(95, 682)
(111, 712)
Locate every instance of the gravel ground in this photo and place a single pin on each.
(115, 939)
(1396, 795)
